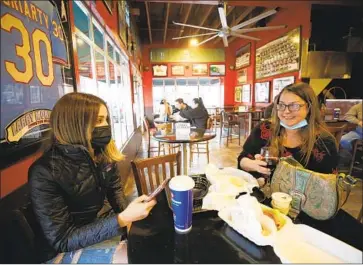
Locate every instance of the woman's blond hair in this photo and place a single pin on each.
(309, 134)
(73, 120)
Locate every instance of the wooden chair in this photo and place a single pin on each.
(156, 171)
(202, 147)
(152, 149)
(337, 131)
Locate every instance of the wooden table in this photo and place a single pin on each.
(196, 135)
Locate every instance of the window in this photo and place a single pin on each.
(97, 35)
(81, 18)
(104, 72)
(110, 50)
(211, 90)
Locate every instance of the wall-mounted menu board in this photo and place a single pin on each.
(279, 56)
(243, 56)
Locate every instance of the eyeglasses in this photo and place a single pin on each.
(291, 107)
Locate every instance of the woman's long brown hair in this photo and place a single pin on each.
(73, 120)
(309, 134)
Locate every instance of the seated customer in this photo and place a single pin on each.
(296, 129)
(198, 114)
(354, 115)
(70, 182)
(180, 105)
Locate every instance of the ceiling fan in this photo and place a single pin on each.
(236, 31)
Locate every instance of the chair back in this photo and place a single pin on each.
(151, 172)
(337, 131)
(210, 123)
(146, 125)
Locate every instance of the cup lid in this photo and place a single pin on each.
(281, 197)
(181, 183)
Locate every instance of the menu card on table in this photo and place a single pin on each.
(182, 131)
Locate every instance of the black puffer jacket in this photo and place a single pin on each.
(198, 117)
(68, 193)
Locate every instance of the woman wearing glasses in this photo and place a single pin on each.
(295, 129)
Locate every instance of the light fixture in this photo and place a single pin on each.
(193, 42)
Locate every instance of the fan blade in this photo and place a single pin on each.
(243, 36)
(211, 38)
(255, 19)
(222, 16)
(192, 36)
(261, 29)
(193, 26)
(225, 41)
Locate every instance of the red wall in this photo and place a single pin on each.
(292, 16)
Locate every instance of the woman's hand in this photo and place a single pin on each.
(256, 165)
(137, 210)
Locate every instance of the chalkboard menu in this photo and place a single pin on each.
(279, 56)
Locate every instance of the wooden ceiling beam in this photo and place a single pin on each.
(148, 21)
(239, 19)
(206, 16)
(185, 19)
(249, 26)
(166, 22)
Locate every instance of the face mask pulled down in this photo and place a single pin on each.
(299, 125)
(101, 136)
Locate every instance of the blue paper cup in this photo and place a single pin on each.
(181, 188)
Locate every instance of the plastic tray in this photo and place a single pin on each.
(199, 191)
(304, 244)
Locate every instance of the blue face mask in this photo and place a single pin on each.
(299, 125)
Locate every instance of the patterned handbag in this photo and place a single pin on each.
(318, 195)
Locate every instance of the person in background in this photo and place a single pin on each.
(165, 110)
(295, 129)
(354, 115)
(198, 114)
(75, 186)
(180, 105)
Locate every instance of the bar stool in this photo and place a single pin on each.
(202, 147)
(229, 121)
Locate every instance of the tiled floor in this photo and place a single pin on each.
(223, 156)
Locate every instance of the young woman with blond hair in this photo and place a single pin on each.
(295, 129)
(75, 187)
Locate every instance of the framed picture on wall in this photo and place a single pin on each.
(279, 83)
(217, 69)
(262, 92)
(200, 69)
(242, 76)
(177, 70)
(246, 93)
(279, 56)
(108, 4)
(237, 94)
(243, 57)
(160, 70)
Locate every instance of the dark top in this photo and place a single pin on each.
(198, 117)
(68, 193)
(324, 158)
